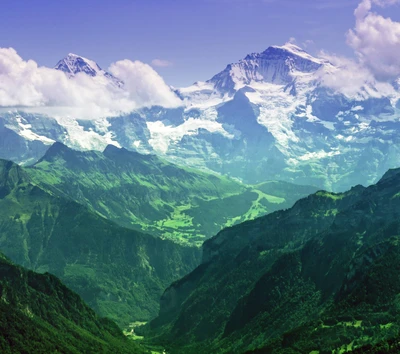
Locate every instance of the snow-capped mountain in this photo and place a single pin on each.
(268, 116)
(283, 65)
(73, 64)
(276, 65)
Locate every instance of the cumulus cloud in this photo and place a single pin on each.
(23, 84)
(143, 84)
(351, 78)
(161, 63)
(376, 40)
(345, 75)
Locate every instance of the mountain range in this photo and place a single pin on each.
(149, 194)
(251, 218)
(273, 115)
(81, 216)
(321, 277)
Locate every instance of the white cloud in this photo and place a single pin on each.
(161, 63)
(144, 84)
(352, 78)
(39, 89)
(308, 43)
(376, 40)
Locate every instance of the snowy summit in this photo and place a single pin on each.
(73, 64)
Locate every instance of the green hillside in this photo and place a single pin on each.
(146, 193)
(119, 272)
(38, 314)
(321, 277)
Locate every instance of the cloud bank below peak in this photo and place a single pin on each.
(25, 85)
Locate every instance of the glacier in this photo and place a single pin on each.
(269, 116)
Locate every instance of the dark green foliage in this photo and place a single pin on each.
(390, 346)
(321, 277)
(121, 273)
(38, 314)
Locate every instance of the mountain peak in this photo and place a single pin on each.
(11, 175)
(277, 64)
(112, 149)
(58, 153)
(391, 173)
(289, 51)
(115, 153)
(57, 149)
(290, 47)
(295, 50)
(73, 64)
(72, 55)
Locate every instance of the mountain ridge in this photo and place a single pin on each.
(74, 64)
(119, 272)
(311, 278)
(272, 113)
(284, 62)
(40, 314)
(147, 193)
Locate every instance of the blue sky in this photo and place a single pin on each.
(198, 37)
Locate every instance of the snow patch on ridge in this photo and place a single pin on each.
(80, 138)
(296, 50)
(162, 136)
(313, 156)
(24, 129)
(202, 95)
